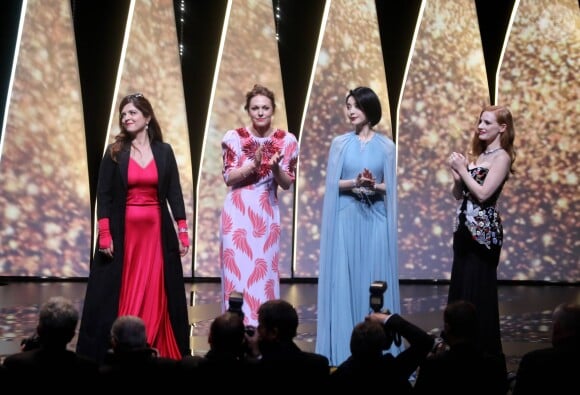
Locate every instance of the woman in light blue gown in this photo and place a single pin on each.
(359, 227)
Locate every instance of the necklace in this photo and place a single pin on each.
(363, 142)
(492, 151)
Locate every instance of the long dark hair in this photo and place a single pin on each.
(123, 139)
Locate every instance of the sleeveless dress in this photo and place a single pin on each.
(144, 260)
(250, 220)
(477, 242)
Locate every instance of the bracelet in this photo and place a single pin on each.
(354, 183)
(182, 230)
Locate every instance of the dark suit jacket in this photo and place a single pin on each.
(390, 373)
(549, 371)
(102, 295)
(463, 369)
(289, 368)
(232, 371)
(48, 369)
(139, 370)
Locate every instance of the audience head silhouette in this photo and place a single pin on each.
(566, 325)
(226, 333)
(368, 340)
(460, 322)
(57, 322)
(553, 370)
(277, 321)
(40, 368)
(128, 333)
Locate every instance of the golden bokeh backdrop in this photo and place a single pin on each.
(47, 198)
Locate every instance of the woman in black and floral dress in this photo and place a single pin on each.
(478, 232)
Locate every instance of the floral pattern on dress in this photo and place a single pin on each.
(483, 221)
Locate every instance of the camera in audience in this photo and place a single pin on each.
(377, 292)
(376, 301)
(439, 344)
(235, 303)
(30, 343)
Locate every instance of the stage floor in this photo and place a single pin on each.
(526, 311)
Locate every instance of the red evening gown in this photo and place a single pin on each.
(143, 286)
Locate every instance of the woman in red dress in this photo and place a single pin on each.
(137, 270)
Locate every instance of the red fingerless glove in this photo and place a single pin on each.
(105, 238)
(182, 232)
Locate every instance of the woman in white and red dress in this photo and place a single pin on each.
(256, 160)
(137, 270)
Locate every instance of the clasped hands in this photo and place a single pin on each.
(273, 163)
(457, 162)
(365, 179)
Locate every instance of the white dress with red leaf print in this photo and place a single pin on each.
(250, 219)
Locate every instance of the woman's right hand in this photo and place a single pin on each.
(258, 157)
(366, 179)
(107, 251)
(457, 162)
(105, 238)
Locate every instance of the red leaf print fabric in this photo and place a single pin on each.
(226, 223)
(258, 273)
(253, 304)
(265, 203)
(238, 201)
(273, 238)
(275, 263)
(250, 219)
(241, 242)
(229, 263)
(228, 288)
(258, 224)
(270, 289)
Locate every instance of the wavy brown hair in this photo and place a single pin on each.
(123, 139)
(260, 90)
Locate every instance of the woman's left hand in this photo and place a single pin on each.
(366, 179)
(276, 160)
(457, 162)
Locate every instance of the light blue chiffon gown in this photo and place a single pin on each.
(358, 242)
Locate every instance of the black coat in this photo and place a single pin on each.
(104, 284)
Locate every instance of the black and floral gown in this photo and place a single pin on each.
(477, 242)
